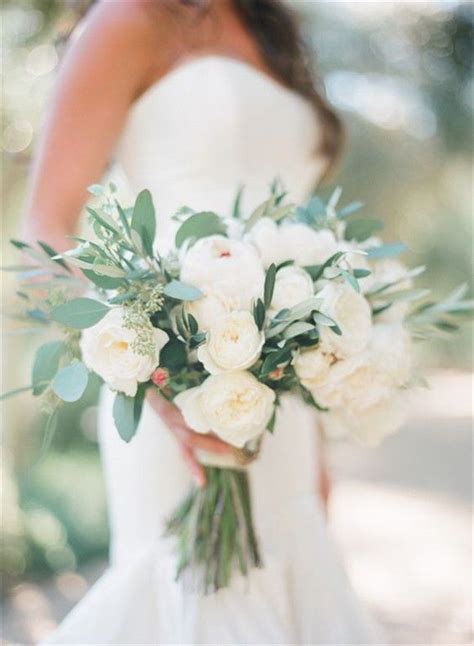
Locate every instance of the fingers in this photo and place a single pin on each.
(203, 442)
(196, 469)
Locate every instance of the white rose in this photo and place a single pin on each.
(312, 367)
(230, 267)
(291, 241)
(234, 343)
(367, 426)
(107, 350)
(211, 307)
(293, 285)
(233, 405)
(353, 315)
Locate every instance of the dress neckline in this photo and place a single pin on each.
(190, 62)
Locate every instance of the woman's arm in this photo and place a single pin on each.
(104, 69)
(120, 51)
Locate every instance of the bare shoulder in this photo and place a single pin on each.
(136, 40)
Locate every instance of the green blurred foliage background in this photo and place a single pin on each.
(401, 76)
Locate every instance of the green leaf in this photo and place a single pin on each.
(362, 228)
(104, 220)
(322, 319)
(349, 209)
(272, 421)
(104, 282)
(144, 220)
(46, 365)
(127, 412)
(182, 291)
(123, 218)
(173, 355)
(200, 225)
(16, 391)
(386, 250)
(295, 329)
(96, 189)
(70, 382)
(269, 286)
(275, 359)
(52, 253)
(80, 313)
(259, 313)
(236, 208)
(108, 270)
(351, 280)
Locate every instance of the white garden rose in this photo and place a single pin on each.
(312, 367)
(293, 285)
(230, 267)
(234, 343)
(107, 350)
(291, 241)
(353, 315)
(211, 307)
(233, 405)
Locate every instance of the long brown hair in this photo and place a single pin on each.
(276, 30)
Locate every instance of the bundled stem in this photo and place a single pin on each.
(214, 531)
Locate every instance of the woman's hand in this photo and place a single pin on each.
(189, 441)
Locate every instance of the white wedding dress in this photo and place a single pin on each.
(211, 125)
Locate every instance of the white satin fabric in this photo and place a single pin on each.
(211, 125)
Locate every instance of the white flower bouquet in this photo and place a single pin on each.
(300, 299)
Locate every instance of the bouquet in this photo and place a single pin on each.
(302, 299)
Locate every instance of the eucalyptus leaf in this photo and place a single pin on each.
(349, 209)
(46, 365)
(80, 313)
(182, 291)
(127, 412)
(144, 220)
(200, 225)
(71, 381)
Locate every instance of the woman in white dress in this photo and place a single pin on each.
(193, 99)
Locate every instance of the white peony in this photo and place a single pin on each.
(366, 379)
(234, 343)
(312, 367)
(291, 241)
(353, 315)
(367, 426)
(233, 405)
(230, 267)
(293, 285)
(107, 350)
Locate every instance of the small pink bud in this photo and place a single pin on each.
(276, 374)
(160, 377)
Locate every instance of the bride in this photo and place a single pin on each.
(192, 99)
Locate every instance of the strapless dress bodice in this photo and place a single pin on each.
(213, 124)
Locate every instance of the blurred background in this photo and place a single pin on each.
(401, 76)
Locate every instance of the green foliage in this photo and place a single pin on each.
(182, 291)
(127, 413)
(46, 365)
(70, 382)
(200, 225)
(80, 313)
(144, 221)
